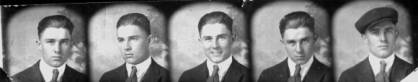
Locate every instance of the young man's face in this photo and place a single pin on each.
(381, 39)
(217, 41)
(55, 44)
(299, 44)
(133, 43)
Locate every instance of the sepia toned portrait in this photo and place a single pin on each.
(372, 42)
(128, 44)
(291, 43)
(208, 43)
(46, 43)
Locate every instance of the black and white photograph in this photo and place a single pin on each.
(127, 43)
(372, 42)
(46, 43)
(208, 41)
(291, 43)
(208, 44)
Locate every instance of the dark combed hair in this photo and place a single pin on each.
(137, 19)
(55, 21)
(297, 19)
(215, 17)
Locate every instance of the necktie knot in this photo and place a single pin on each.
(134, 70)
(297, 69)
(382, 65)
(55, 73)
(214, 77)
(382, 76)
(215, 68)
(133, 76)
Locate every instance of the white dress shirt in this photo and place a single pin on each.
(375, 63)
(304, 68)
(47, 71)
(223, 67)
(141, 68)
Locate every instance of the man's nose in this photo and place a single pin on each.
(298, 47)
(383, 37)
(127, 46)
(214, 43)
(57, 48)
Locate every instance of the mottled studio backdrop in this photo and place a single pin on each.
(105, 53)
(349, 48)
(22, 49)
(186, 51)
(267, 48)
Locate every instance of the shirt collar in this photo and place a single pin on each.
(141, 68)
(375, 63)
(304, 67)
(223, 67)
(47, 71)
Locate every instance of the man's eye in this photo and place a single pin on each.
(120, 39)
(207, 38)
(50, 41)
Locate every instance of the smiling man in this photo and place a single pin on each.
(55, 43)
(133, 36)
(298, 37)
(378, 29)
(216, 36)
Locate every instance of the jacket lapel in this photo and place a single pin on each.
(366, 73)
(234, 72)
(316, 72)
(152, 74)
(36, 73)
(399, 70)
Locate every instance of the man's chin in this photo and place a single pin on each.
(56, 64)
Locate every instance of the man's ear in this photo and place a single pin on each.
(38, 43)
(364, 37)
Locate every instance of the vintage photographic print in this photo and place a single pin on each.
(291, 43)
(208, 43)
(46, 43)
(127, 42)
(372, 42)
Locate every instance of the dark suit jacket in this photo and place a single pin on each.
(155, 73)
(33, 74)
(3, 76)
(235, 73)
(363, 72)
(318, 72)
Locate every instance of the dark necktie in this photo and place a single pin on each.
(215, 76)
(132, 77)
(382, 75)
(55, 75)
(296, 76)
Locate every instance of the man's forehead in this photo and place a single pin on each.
(55, 32)
(130, 30)
(214, 29)
(297, 33)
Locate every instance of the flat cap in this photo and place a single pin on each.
(375, 16)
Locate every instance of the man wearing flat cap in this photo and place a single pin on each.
(378, 30)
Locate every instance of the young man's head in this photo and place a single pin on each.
(55, 39)
(378, 29)
(298, 36)
(133, 32)
(216, 35)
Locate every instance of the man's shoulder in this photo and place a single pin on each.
(28, 72)
(276, 68)
(116, 71)
(196, 69)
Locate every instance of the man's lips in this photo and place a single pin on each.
(129, 54)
